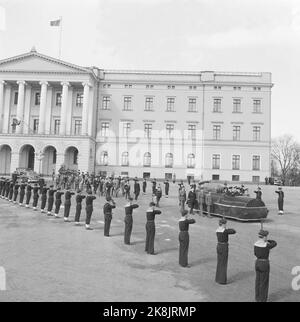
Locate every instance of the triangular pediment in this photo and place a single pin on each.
(36, 62)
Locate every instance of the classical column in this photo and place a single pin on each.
(64, 107)
(85, 108)
(20, 106)
(2, 83)
(69, 111)
(43, 102)
(49, 110)
(27, 110)
(6, 112)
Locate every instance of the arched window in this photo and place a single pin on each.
(147, 159)
(125, 159)
(104, 158)
(191, 160)
(169, 160)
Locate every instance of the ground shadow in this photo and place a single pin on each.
(240, 276)
(202, 261)
(137, 242)
(167, 250)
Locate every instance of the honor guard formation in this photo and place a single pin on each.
(17, 190)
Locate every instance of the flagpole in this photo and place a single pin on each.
(60, 37)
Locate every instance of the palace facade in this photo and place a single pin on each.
(209, 125)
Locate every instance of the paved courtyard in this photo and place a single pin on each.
(46, 259)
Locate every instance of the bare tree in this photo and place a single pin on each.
(286, 151)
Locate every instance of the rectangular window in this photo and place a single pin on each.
(126, 129)
(35, 125)
(216, 161)
(256, 106)
(37, 98)
(256, 133)
(216, 132)
(16, 98)
(236, 133)
(170, 130)
(105, 102)
(77, 127)
(237, 105)
(215, 177)
(147, 130)
(192, 105)
(256, 179)
(171, 104)
(58, 99)
(191, 131)
(256, 162)
(56, 126)
(236, 162)
(149, 104)
(217, 105)
(127, 103)
(79, 99)
(104, 129)
(235, 177)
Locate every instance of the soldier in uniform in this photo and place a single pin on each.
(128, 220)
(150, 228)
(68, 196)
(43, 197)
(7, 189)
(144, 186)
(184, 238)
(127, 189)
(107, 210)
(89, 209)
(16, 192)
(28, 195)
(192, 199)
(136, 189)
(50, 200)
(58, 195)
(222, 251)
(280, 200)
(35, 196)
(182, 197)
(2, 188)
(154, 186)
(22, 193)
(262, 265)
(167, 188)
(258, 193)
(11, 191)
(79, 198)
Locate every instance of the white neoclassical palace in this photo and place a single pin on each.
(210, 125)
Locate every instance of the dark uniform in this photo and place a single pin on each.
(222, 252)
(280, 201)
(79, 198)
(43, 197)
(192, 200)
(128, 222)
(136, 189)
(258, 194)
(57, 202)
(153, 187)
(7, 185)
(144, 186)
(50, 200)
(107, 210)
(150, 229)
(262, 266)
(22, 193)
(35, 196)
(16, 192)
(68, 196)
(28, 195)
(11, 191)
(167, 187)
(184, 239)
(89, 209)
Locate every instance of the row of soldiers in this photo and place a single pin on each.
(9, 190)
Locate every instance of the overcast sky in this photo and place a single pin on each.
(195, 35)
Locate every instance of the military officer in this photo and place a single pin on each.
(136, 189)
(68, 196)
(51, 193)
(7, 186)
(128, 220)
(35, 196)
(107, 210)
(280, 200)
(144, 186)
(262, 265)
(79, 198)
(192, 199)
(11, 191)
(22, 193)
(222, 251)
(89, 209)
(58, 195)
(28, 195)
(184, 238)
(258, 193)
(150, 228)
(43, 197)
(16, 191)
(167, 188)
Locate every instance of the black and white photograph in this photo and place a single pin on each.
(149, 153)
